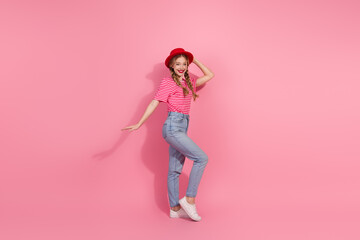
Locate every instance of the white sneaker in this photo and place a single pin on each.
(190, 209)
(178, 214)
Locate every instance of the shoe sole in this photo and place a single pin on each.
(178, 216)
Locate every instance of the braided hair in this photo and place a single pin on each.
(175, 77)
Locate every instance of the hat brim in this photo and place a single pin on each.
(188, 54)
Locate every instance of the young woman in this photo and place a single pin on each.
(177, 91)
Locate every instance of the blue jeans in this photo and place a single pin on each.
(174, 132)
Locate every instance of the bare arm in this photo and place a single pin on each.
(149, 110)
(208, 74)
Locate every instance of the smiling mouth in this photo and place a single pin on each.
(180, 71)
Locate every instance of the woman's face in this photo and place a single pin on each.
(180, 66)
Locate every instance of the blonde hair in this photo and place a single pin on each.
(175, 77)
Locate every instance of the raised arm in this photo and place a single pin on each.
(208, 74)
(149, 110)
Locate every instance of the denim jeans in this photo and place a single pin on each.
(174, 132)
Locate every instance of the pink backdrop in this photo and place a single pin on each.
(279, 121)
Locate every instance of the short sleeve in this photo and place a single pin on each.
(163, 91)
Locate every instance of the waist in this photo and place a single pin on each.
(182, 115)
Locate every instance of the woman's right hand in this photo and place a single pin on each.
(132, 127)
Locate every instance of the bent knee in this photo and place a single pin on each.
(204, 158)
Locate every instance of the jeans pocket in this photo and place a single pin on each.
(177, 119)
(177, 125)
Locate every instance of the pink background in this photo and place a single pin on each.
(279, 121)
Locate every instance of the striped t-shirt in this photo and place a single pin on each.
(172, 94)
